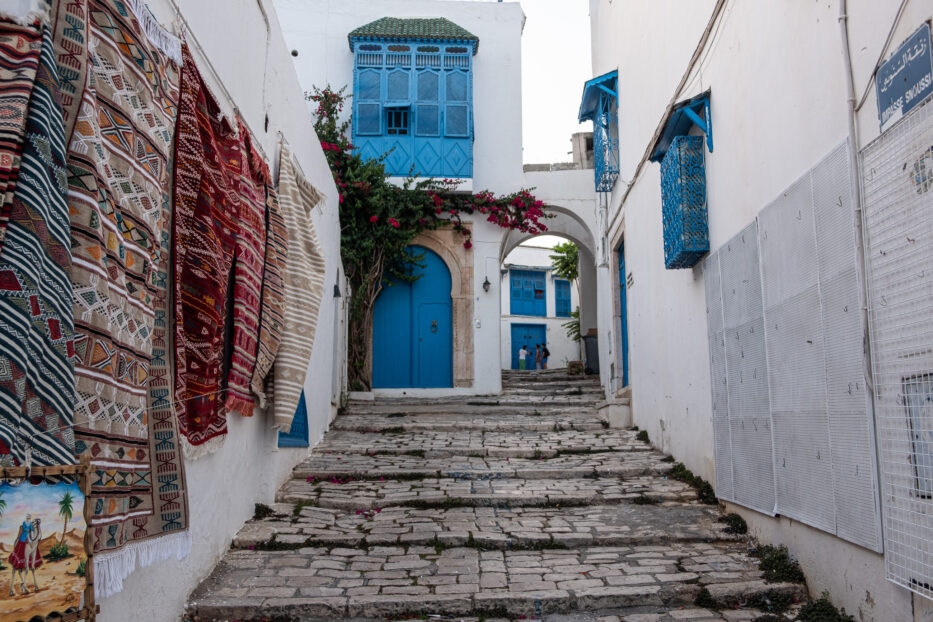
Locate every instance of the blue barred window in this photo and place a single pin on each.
(600, 105)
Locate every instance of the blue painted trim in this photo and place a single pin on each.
(624, 313)
(600, 105)
(684, 115)
(683, 197)
(470, 43)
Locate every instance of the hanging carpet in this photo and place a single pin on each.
(207, 166)
(122, 120)
(272, 319)
(304, 288)
(247, 276)
(19, 61)
(36, 310)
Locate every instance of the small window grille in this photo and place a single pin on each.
(683, 194)
(430, 49)
(396, 121)
(371, 48)
(457, 50)
(399, 48)
(918, 399)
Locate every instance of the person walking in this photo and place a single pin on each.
(522, 354)
(545, 355)
(539, 356)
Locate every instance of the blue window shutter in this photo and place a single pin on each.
(368, 118)
(298, 434)
(370, 85)
(428, 117)
(427, 86)
(457, 86)
(529, 295)
(397, 90)
(562, 297)
(458, 120)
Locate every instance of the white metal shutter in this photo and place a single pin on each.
(746, 372)
(722, 441)
(897, 171)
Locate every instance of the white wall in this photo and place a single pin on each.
(562, 348)
(778, 106)
(256, 69)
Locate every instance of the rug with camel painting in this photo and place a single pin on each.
(42, 556)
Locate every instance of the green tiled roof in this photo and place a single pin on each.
(398, 28)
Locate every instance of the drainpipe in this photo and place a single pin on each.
(861, 266)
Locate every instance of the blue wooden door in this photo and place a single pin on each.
(413, 329)
(624, 313)
(528, 335)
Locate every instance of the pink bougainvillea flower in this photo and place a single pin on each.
(373, 219)
(468, 244)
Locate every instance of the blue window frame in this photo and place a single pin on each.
(413, 100)
(529, 292)
(562, 297)
(600, 105)
(297, 435)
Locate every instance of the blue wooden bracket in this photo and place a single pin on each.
(704, 123)
(608, 90)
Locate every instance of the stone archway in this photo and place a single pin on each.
(448, 244)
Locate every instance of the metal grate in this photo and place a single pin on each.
(683, 195)
(899, 247)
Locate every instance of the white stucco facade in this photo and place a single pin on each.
(562, 348)
(778, 106)
(242, 40)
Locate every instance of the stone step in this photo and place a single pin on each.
(551, 389)
(362, 466)
(377, 422)
(628, 614)
(379, 582)
(493, 528)
(477, 409)
(488, 492)
(514, 444)
(530, 401)
(547, 377)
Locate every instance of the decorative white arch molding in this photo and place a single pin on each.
(565, 223)
(448, 244)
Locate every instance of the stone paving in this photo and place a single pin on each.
(466, 509)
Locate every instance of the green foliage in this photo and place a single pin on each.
(643, 436)
(65, 509)
(572, 326)
(261, 511)
(566, 261)
(81, 570)
(705, 492)
(378, 221)
(823, 610)
(778, 566)
(644, 500)
(734, 523)
(57, 552)
(705, 599)
(2, 504)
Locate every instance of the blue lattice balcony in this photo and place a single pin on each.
(683, 194)
(600, 105)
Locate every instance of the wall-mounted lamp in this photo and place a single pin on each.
(486, 284)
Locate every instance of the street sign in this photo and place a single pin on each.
(906, 78)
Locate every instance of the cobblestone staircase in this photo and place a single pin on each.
(522, 506)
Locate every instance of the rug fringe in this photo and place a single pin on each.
(110, 569)
(155, 32)
(25, 12)
(195, 452)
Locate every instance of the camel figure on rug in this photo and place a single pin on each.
(25, 557)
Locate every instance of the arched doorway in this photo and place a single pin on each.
(413, 329)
